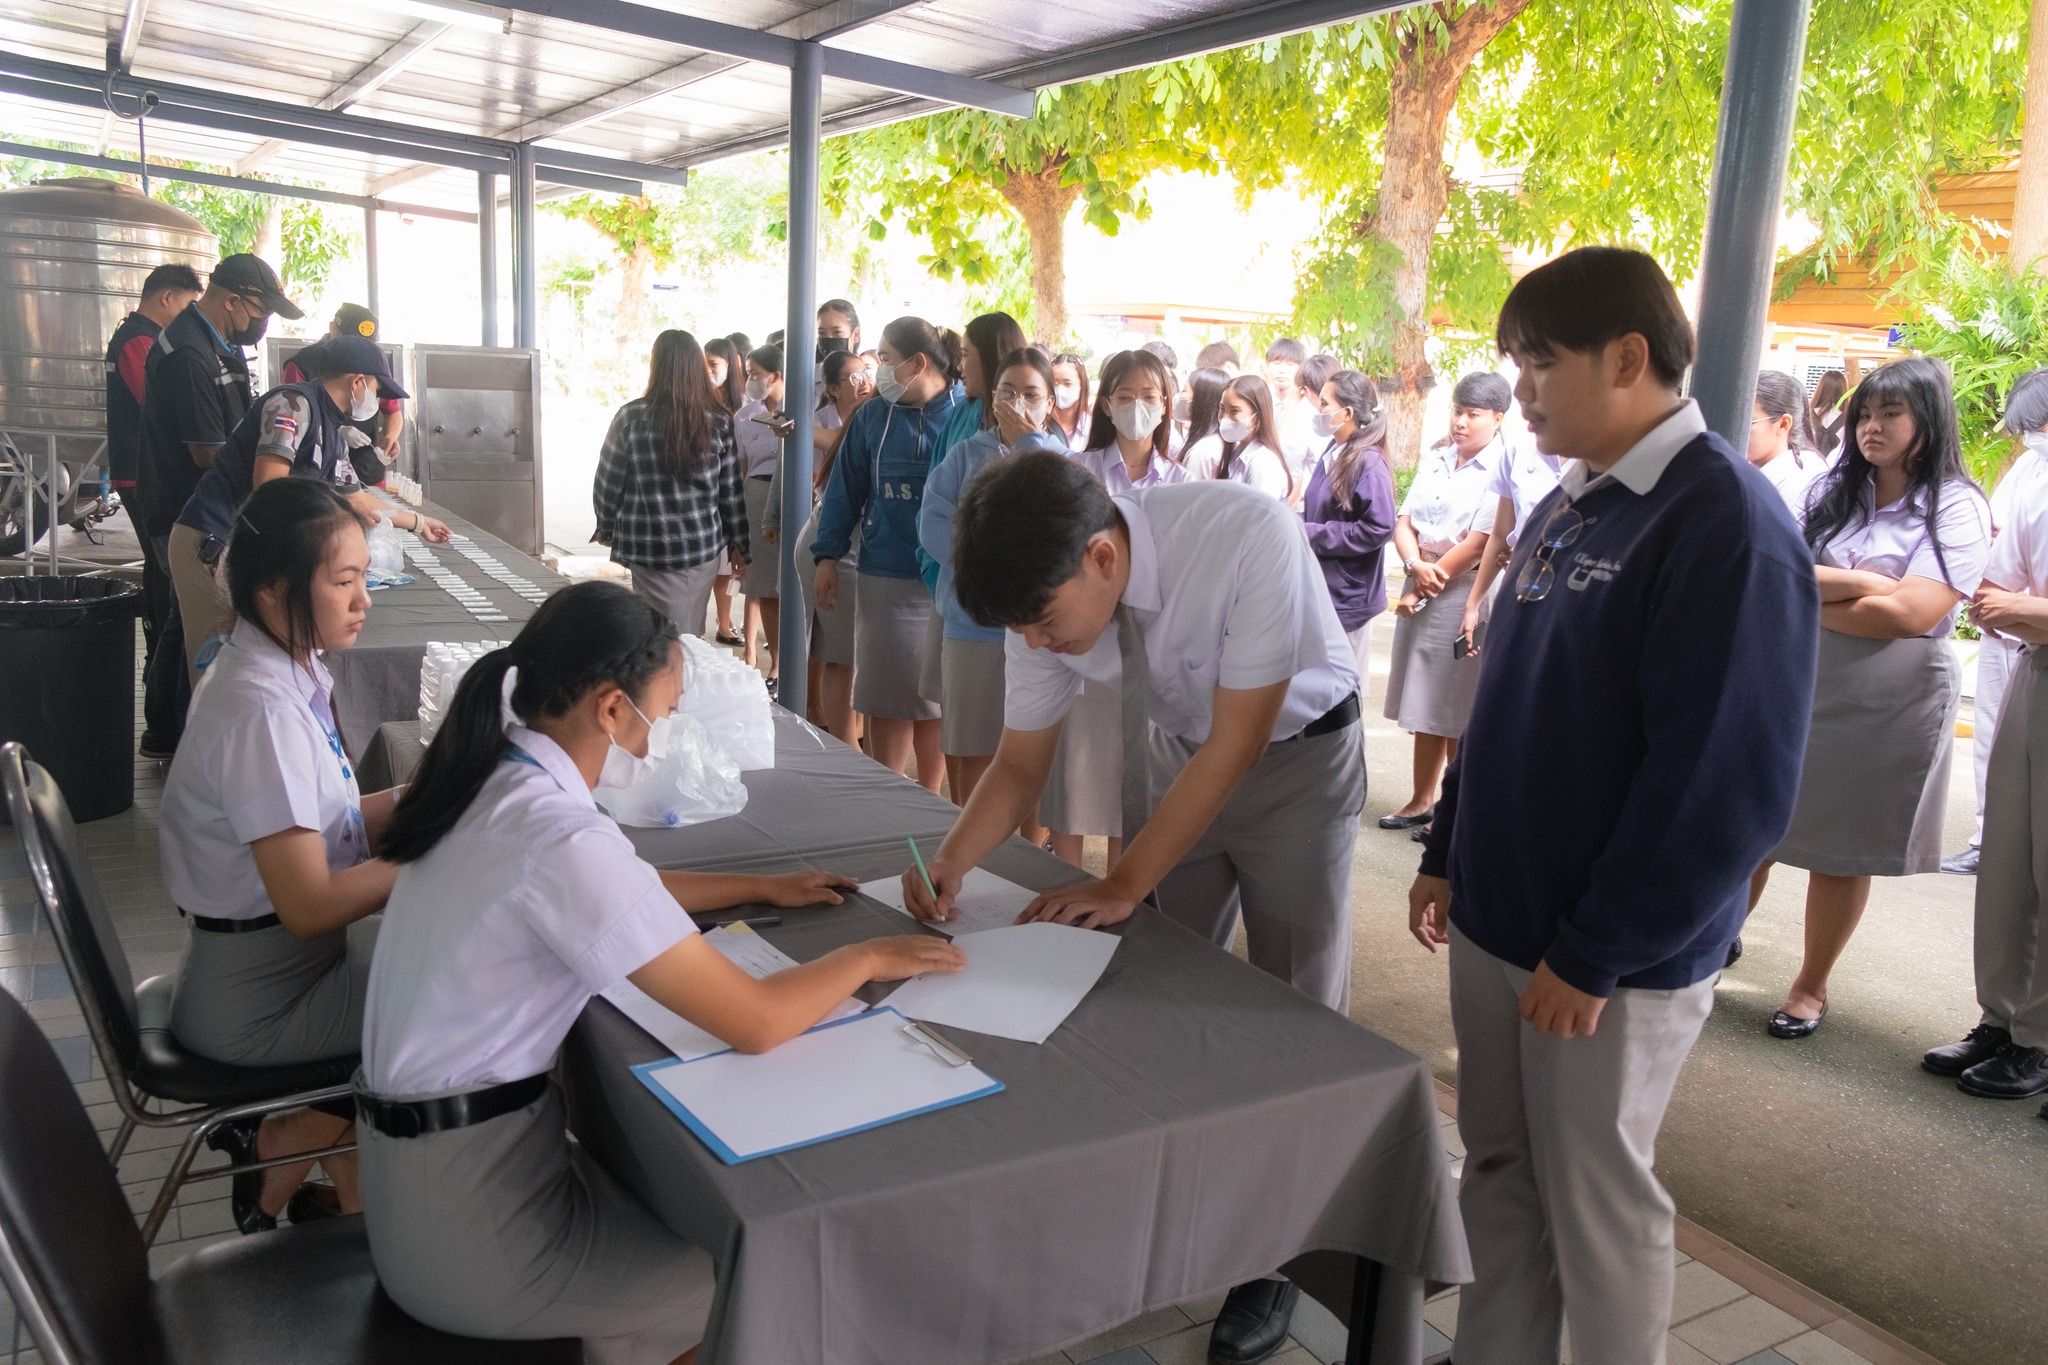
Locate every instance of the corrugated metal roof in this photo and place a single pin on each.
(563, 84)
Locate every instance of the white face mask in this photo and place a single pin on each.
(1034, 414)
(1322, 424)
(1066, 395)
(1233, 429)
(1183, 409)
(1135, 419)
(756, 390)
(364, 408)
(888, 385)
(622, 767)
(2036, 441)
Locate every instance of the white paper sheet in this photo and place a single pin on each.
(1020, 982)
(745, 949)
(986, 901)
(836, 1079)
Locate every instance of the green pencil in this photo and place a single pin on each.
(921, 869)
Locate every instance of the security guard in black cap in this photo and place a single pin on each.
(382, 428)
(195, 388)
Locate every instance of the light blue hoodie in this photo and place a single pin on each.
(935, 520)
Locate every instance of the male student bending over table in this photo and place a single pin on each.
(1247, 726)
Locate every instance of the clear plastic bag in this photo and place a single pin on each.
(731, 701)
(693, 780)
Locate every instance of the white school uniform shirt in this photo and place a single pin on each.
(1449, 499)
(1299, 444)
(1793, 474)
(1227, 593)
(1108, 466)
(2015, 489)
(2019, 511)
(261, 754)
(495, 941)
(1260, 468)
(1201, 458)
(760, 447)
(1894, 541)
(1524, 476)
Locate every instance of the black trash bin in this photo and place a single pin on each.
(67, 685)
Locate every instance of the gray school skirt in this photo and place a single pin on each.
(831, 631)
(1428, 691)
(931, 679)
(888, 653)
(1085, 792)
(1874, 786)
(506, 1230)
(972, 723)
(271, 998)
(764, 570)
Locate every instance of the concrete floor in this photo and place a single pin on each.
(1836, 1159)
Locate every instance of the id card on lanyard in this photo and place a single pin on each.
(354, 839)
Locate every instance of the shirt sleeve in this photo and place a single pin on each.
(846, 493)
(609, 488)
(732, 490)
(283, 423)
(600, 908)
(935, 514)
(1963, 526)
(267, 777)
(1038, 689)
(131, 363)
(2010, 566)
(1272, 618)
(193, 398)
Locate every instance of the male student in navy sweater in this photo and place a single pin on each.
(1633, 755)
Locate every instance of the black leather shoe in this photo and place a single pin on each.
(1734, 953)
(157, 749)
(1980, 1044)
(1407, 821)
(245, 1202)
(1419, 835)
(1785, 1025)
(1962, 864)
(312, 1202)
(2013, 1073)
(1254, 1321)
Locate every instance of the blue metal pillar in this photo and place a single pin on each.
(793, 650)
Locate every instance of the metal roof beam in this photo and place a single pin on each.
(773, 49)
(394, 59)
(229, 182)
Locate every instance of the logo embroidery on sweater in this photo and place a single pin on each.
(1586, 569)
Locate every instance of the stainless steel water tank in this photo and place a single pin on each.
(73, 255)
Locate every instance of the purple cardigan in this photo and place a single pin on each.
(1348, 542)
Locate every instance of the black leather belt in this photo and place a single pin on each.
(1331, 721)
(233, 926)
(413, 1118)
(760, 478)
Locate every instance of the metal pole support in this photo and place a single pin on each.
(370, 261)
(1759, 98)
(487, 253)
(793, 649)
(525, 253)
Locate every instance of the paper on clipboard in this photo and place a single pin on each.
(1020, 982)
(840, 1078)
(986, 901)
(745, 949)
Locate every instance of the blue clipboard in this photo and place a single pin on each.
(648, 1073)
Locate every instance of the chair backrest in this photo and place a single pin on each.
(69, 1248)
(77, 912)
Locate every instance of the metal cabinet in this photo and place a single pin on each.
(477, 431)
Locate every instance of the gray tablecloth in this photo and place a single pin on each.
(378, 679)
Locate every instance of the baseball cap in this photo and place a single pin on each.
(252, 276)
(354, 320)
(348, 354)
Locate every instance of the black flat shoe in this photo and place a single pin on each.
(1785, 1025)
(1407, 821)
(726, 637)
(2012, 1073)
(311, 1202)
(1734, 953)
(1254, 1322)
(1419, 835)
(1980, 1044)
(245, 1201)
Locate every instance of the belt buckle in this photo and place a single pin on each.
(399, 1120)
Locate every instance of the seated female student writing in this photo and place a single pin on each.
(518, 900)
(266, 838)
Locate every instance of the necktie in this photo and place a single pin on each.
(1137, 783)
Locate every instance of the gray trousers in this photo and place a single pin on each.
(1566, 1219)
(1279, 853)
(682, 595)
(2012, 981)
(1997, 661)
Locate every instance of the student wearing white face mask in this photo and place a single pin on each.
(1202, 449)
(295, 429)
(1130, 450)
(1071, 404)
(1251, 442)
(758, 429)
(971, 654)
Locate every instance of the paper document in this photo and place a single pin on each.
(839, 1078)
(986, 901)
(748, 951)
(1020, 982)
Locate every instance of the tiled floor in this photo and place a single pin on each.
(1730, 1309)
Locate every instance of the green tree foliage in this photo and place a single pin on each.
(1990, 325)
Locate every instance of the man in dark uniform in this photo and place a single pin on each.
(195, 388)
(375, 455)
(165, 293)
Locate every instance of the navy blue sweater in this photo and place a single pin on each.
(1635, 748)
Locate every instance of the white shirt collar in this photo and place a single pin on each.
(1646, 460)
(554, 760)
(263, 654)
(1141, 592)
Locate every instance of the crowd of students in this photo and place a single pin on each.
(1119, 600)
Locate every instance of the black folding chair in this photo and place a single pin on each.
(77, 1267)
(131, 1025)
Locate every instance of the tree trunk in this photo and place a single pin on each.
(2030, 201)
(1414, 187)
(1042, 202)
(635, 274)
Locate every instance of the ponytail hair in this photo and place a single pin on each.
(1780, 395)
(909, 336)
(588, 635)
(281, 536)
(1368, 442)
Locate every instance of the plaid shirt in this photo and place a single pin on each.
(651, 518)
